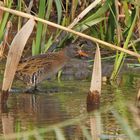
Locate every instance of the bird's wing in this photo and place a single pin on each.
(37, 61)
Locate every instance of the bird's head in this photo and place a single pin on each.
(72, 51)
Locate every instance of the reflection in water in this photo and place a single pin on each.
(7, 123)
(26, 112)
(93, 101)
(3, 101)
(7, 119)
(95, 126)
(34, 110)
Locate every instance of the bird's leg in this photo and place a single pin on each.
(31, 89)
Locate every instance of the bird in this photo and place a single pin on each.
(35, 69)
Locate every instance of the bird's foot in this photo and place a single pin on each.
(32, 90)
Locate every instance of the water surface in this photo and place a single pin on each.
(41, 110)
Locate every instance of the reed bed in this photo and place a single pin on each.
(112, 24)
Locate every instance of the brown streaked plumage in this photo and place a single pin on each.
(34, 70)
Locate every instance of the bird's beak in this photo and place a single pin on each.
(81, 53)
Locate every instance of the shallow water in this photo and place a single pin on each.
(26, 112)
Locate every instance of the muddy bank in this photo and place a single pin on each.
(80, 70)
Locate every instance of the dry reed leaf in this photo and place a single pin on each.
(1, 50)
(7, 124)
(1, 14)
(8, 26)
(95, 126)
(15, 53)
(28, 9)
(5, 40)
(93, 97)
(96, 75)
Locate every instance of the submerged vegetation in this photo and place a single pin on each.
(113, 25)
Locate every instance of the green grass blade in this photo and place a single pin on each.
(127, 13)
(33, 47)
(89, 24)
(42, 6)
(48, 44)
(4, 21)
(135, 50)
(127, 129)
(125, 46)
(59, 10)
(49, 7)
(19, 18)
(111, 24)
(86, 133)
(73, 8)
(100, 12)
(59, 134)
